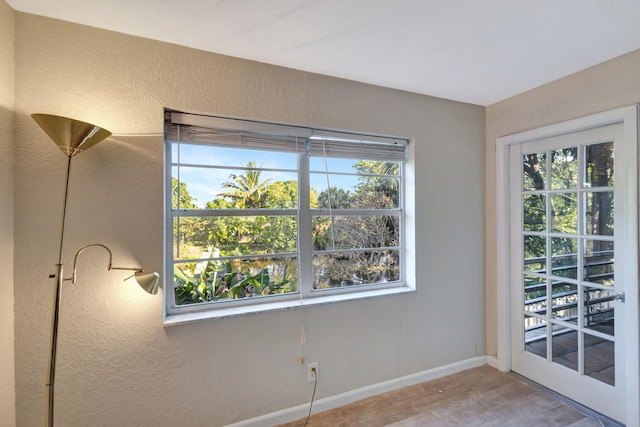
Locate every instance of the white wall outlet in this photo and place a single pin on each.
(311, 375)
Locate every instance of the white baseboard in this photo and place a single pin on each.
(492, 361)
(332, 402)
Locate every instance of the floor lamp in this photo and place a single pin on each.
(74, 137)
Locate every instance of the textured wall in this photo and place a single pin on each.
(7, 100)
(117, 364)
(603, 87)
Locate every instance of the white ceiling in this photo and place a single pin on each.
(476, 51)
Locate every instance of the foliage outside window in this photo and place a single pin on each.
(257, 216)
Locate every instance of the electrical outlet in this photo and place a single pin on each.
(311, 375)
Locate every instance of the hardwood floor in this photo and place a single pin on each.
(482, 396)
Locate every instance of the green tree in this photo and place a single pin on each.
(282, 194)
(340, 198)
(180, 196)
(187, 230)
(248, 191)
(379, 178)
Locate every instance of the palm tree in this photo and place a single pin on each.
(248, 191)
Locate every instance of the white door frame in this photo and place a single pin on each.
(628, 116)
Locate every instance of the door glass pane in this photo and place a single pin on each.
(535, 295)
(598, 262)
(564, 213)
(599, 309)
(535, 336)
(535, 253)
(599, 359)
(564, 347)
(535, 171)
(564, 302)
(564, 168)
(564, 257)
(534, 213)
(598, 170)
(599, 213)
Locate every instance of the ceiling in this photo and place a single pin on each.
(476, 51)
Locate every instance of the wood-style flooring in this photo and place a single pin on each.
(481, 396)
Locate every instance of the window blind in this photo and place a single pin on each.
(194, 128)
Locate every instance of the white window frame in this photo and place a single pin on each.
(305, 296)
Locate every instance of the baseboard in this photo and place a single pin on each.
(492, 361)
(332, 402)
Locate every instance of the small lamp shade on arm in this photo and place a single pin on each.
(147, 281)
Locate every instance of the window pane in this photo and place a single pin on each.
(599, 262)
(535, 171)
(599, 213)
(599, 165)
(352, 232)
(354, 192)
(181, 197)
(354, 184)
(564, 257)
(535, 253)
(343, 269)
(535, 295)
(599, 310)
(564, 302)
(564, 168)
(205, 281)
(237, 188)
(599, 359)
(213, 155)
(564, 213)
(317, 164)
(564, 347)
(210, 237)
(534, 212)
(535, 336)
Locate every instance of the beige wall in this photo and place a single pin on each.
(606, 86)
(117, 365)
(7, 101)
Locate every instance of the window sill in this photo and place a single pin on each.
(223, 313)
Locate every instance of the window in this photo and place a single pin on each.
(259, 213)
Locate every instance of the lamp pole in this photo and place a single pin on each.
(56, 308)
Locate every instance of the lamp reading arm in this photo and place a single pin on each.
(147, 281)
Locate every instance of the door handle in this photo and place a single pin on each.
(619, 297)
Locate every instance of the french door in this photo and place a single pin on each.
(573, 264)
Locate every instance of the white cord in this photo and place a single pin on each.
(326, 174)
(137, 134)
(303, 337)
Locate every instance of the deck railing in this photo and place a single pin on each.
(598, 269)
